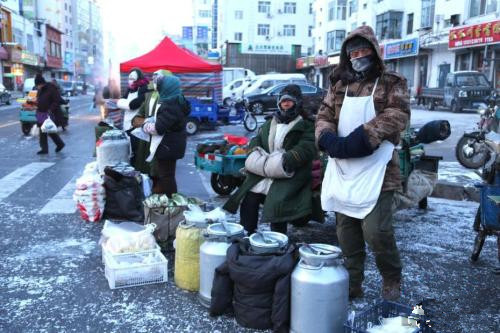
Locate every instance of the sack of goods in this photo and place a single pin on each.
(48, 126)
(127, 237)
(90, 194)
(124, 193)
(166, 212)
(112, 148)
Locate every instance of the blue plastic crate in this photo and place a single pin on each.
(383, 309)
(220, 164)
(27, 115)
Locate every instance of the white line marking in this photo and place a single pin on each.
(9, 124)
(206, 184)
(62, 202)
(16, 179)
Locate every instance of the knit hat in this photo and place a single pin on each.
(39, 79)
(357, 43)
(168, 86)
(292, 93)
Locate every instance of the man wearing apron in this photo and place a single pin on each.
(358, 125)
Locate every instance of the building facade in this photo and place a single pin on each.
(423, 40)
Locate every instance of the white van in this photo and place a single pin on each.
(262, 82)
(234, 89)
(28, 85)
(230, 74)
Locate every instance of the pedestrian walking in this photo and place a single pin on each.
(278, 168)
(148, 111)
(48, 105)
(168, 133)
(358, 125)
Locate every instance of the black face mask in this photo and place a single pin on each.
(286, 116)
(362, 64)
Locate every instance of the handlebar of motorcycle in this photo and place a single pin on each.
(436, 130)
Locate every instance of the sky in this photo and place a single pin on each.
(134, 27)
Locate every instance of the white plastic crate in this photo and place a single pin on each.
(106, 253)
(135, 269)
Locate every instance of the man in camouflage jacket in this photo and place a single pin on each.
(361, 51)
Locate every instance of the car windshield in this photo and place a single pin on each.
(471, 80)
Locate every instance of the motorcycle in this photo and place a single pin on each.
(471, 150)
(239, 113)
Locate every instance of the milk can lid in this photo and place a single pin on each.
(229, 229)
(320, 251)
(268, 239)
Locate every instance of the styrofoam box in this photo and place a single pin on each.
(135, 269)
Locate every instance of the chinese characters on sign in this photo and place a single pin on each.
(400, 49)
(266, 48)
(474, 35)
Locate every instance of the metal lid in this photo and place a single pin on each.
(225, 229)
(270, 240)
(320, 253)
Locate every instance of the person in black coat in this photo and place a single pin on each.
(257, 286)
(49, 102)
(170, 125)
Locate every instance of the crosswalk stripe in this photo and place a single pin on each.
(62, 202)
(16, 179)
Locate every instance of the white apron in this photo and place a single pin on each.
(352, 186)
(155, 138)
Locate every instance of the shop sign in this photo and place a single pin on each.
(266, 49)
(29, 58)
(320, 61)
(401, 49)
(15, 55)
(474, 35)
(68, 59)
(299, 63)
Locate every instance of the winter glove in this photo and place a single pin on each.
(354, 145)
(149, 128)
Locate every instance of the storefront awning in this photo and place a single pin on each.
(4, 55)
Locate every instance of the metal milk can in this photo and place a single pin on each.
(213, 253)
(319, 290)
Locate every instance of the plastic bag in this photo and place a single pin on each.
(196, 215)
(48, 126)
(139, 133)
(35, 131)
(127, 237)
(90, 194)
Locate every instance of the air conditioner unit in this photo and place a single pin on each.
(268, 38)
(279, 11)
(279, 33)
(269, 15)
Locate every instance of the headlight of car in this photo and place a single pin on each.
(462, 93)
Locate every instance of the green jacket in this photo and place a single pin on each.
(142, 151)
(288, 199)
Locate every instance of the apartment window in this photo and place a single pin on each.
(238, 14)
(353, 7)
(481, 7)
(409, 24)
(66, 19)
(263, 29)
(65, 6)
(365, 5)
(264, 7)
(334, 40)
(427, 13)
(204, 13)
(289, 30)
(67, 44)
(337, 10)
(310, 8)
(238, 36)
(290, 7)
(309, 31)
(389, 25)
(29, 42)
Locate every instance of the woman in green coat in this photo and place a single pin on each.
(278, 168)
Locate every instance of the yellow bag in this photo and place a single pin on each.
(188, 240)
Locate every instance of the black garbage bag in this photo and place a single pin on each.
(124, 196)
(433, 131)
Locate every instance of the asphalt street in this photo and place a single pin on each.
(52, 278)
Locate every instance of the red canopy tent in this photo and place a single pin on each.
(167, 55)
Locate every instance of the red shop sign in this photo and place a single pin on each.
(474, 35)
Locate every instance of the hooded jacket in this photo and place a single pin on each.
(171, 119)
(391, 99)
(256, 286)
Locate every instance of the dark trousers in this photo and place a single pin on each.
(249, 214)
(44, 145)
(376, 230)
(164, 182)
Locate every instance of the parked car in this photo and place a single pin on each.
(81, 88)
(233, 90)
(68, 88)
(267, 100)
(4, 95)
(463, 91)
(263, 82)
(232, 73)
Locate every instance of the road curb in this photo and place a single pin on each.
(454, 191)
